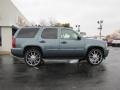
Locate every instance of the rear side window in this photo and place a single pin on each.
(27, 32)
(49, 33)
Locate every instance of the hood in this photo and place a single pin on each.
(95, 42)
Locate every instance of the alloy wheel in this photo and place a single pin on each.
(33, 57)
(95, 56)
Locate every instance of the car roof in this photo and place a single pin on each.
(46, 27)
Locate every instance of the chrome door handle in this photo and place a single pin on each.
(42, 41)
(64, 42)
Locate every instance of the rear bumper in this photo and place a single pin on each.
(17, 52)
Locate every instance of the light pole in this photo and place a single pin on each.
(100, 27)
(78, 26)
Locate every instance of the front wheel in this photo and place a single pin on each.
(32, 57)
(95, 56)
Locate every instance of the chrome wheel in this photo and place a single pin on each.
(32, 57)
(95, 56)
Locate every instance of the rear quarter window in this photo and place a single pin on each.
(27, 32)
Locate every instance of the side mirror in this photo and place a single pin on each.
(78, 38)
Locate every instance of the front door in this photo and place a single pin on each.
(70, 45)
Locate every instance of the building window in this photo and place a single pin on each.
(0, 37)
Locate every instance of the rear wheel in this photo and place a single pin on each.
(95, 56)
(32, 57)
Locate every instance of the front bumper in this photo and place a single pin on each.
(17, 52)
(106, 52)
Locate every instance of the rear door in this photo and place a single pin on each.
(50, 42)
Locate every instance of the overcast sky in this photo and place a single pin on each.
(83, 12)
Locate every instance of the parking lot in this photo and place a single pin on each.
(61, 75)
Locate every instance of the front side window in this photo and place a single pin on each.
(68, 34)
(27, 32)
(49, 33)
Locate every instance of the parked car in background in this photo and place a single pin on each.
(109, 42)
(116, 43)
(37, 43)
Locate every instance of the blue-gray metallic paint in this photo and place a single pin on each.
(54, 47)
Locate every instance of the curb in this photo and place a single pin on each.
(5, 53)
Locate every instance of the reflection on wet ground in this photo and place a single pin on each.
(15, 75)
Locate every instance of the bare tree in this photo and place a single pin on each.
(43, 23)
(52, 22)
(21, 21)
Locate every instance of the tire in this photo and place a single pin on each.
(32, 57)
(95, 56)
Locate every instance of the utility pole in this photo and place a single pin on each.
(100, 27)
(78, 28)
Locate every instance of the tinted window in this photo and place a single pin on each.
(27, 32)
(49, 33)
(68, 34)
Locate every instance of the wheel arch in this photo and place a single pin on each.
(33, 46)
(95, 47)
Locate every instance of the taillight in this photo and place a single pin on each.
(13, 42)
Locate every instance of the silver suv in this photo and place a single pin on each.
(36, 43)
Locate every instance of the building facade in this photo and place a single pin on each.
(9, 16)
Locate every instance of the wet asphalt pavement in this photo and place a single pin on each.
(61, 75)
